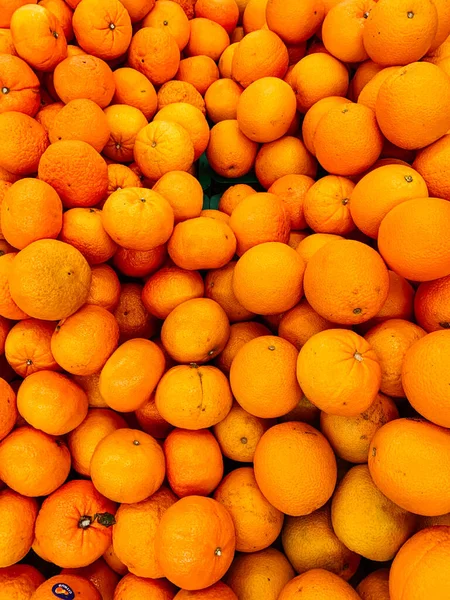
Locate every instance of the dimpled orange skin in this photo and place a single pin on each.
(131, 374)
(22, 85)
(301, 323)
(326, 205)
(417, 572)
(81, 586)
(318, 581)
(8, 408)
(415, 480)
(375, 586)
(25, 141)
(339, 372)
(19, 582)
(295, 468)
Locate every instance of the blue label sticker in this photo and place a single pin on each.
(62, 590)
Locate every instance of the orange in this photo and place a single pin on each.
(218, 591)
(286, 156)
(130, 374)
(84, 76)
(107, 42)
(400, 33)
(318, 76)
(327, 204)
(364, 73)
(418, 259)
(268, 278)
(257, 522)
(311, 244)
(171, 16)
(90, 385)
(47, 115)
(259, 54)
(300, 323)
(200, 72)
(430, 304)
(219, 287)
(416, 480)
(38, 37)
(82, 228)
(83, 440)
(19, 86)
(120, 176)
(309, 542)
(192, 119)
(151, 421)
(226, 59)
(138, 218)
(230, 153)
(124, 124)
(8, 10)
(33, 463)
(240, 334)
(294, 22)
(375, 586)
(5, 327)
(18, 582)
(262, 377)
(136, 263)
(182, 91)
(133, 318)
(73, 527)
(207, 38)
(205, 392)
(339, 372)
(100, 575)
(233, 196)
(22, 208)
(369, 94)
(8, 308)
(182, 191)
(350, 437)
(74, 122)
(8, 408)
(49, 279)
(6, 43)
(431, 164)
(313, 117)
(221, 100)
(224, 12)
(51, 402)
(67, 584)
(113, 561)
(24, 142)
(443, 28)
(254, 16)
(292, 190)
(340, 147)
(328, 585)
(76, 171)
(365, 520)
(163, 146)
(63, 13)
(155, 53)
(18, 514)
(202, 529)
(133, 588)
(137, 9)
(276, 109)
(168, 288)
(202, 243)
(134, 89)
(194, 462)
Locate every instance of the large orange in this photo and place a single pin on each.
(313, 116)
(170, 16)
(198, 71)
(84, 76)
(230, 153)
(260, 54)
(327, 205)
(292, 190)
(295, 22)
(155, 53)
(135, 89)
(285, 156)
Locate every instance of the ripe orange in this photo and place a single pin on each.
(151, 421)
(224, 12)
(230, 153)
(170, 16)
(431, 164)
(369, 94)
(207, 38)
(364, 73)
(328, 585)
(120, 176)
(259, 54)
(168, 288)
(124, 124)
(82, 228)
(221, 100)
(219, 287)
(19, 581)
(431, 304)
(84, 76)
(218, 591)
(8, 308)
(74, 122)
(192, 119)
(134, 89)
(327, 205)
(183, 91)
(182, 191)
(294, 22)
(313, 117)
(300, 323)
(63, 584)
(133, 588)
(63, 13)
(105, 287)
(100, 575)
(200, 72)
(292, 190)
(18, 514)
(233, 196)
(20, 86)
(133, 318)
(375, 586)
(155, 53)
(226, 59)
(136, 263)
(311, 244)
(24, 142)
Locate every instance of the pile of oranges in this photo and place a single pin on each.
(243, 403)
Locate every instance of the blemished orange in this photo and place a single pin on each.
(391, 341)
(300, 323)
(202, 243)
(276, 109)
(218, 591)
(318, 76)
(199, 71)
(233, 196)
(133, 318)
(268, 278)
(379, 191)
(259, 54)
(94, 38)
(328, 585)
(285, 156)
(294, 22)
(163, 146)
(78, 585)
(408, 462)
(143, 519)
(292, 190)
(44, 462)
(207, 38)
(248, 575)
(155, 53)
(132, 587)
(194, 384)
(136, 263)
(105, 287)
(327, 205)
(20, 86)
(192, 119)
(418, 258)
(339, 372)
(127, 466)
(124, 124)
(83, 440)
(131, 374)
(219, 287)
(51, 402)
(230, 153)
(8, 408)
(202, 529)
(38, 37)
(431, 304)
(138, 218)
(350, 437)
(262, 377)
(100, 575)
(73, 527)
(183, 91)
(406, 122)
(49, 279)
(19, 582)
(221, 100)
(411, 577)
(8, 308)
(84, 76)
(194, 462)
(375, 586)
(18, 514)
(224, 12)
(168, 288)
(77, 172)
(340, 147)
(257, 522)
(135, 89)
(309, 542)
(313, 116)
(369, 94)
(24, 143)
(74, 122)
(311, 459)
(415, 27)
(430, 163)
(171, 16)
(365, 520)
(183, 192)
(83, 229)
